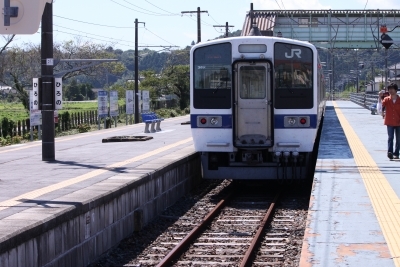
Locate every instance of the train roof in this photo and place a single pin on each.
(258, 38)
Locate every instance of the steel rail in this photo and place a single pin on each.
(257, 236)
(177, 250)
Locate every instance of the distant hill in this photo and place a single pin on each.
(230, 34)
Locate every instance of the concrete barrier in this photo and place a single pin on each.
(74, 230)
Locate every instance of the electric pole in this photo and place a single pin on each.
(137, 72)
(47, 95)
(226, 28)
(198, 21)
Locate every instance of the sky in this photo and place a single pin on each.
(164, 26)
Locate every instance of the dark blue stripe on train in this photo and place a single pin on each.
(279, 121)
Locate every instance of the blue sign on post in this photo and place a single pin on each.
(102, 103)
(130, 102)
(114, 104)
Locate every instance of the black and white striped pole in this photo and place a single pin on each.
(47, 87)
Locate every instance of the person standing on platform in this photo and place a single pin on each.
(391, 104)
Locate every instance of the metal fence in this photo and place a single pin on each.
(363, 99)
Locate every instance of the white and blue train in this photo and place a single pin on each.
(256, 106)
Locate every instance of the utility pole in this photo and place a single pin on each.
(333, 75)
(226, 28)
(373, 77)
(137, 72)
(47, 91)
(386, 68)
(198, 21)
(386, 41)
(357, 69)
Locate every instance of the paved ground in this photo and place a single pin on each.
(354, 207)
(81, 160)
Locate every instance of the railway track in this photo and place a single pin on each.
(228, 235)
(230, 225)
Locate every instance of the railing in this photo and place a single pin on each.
(364, 100)
(66, 121)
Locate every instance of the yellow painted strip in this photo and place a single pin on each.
(20, 147)
(56, 140)
(383, 198)
(36, 193)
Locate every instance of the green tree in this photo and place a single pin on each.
(178, 57)
(72, 91)
(76, 91)
(154, 83)
(7, 40)
(177, 82)
(80, 50)
(19, 65)
(17, 68)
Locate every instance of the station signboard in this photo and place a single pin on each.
(130, 102)
(58, 93)
(114, 104)
(102, 103)
(146, 101)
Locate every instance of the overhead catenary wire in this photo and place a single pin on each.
(101, 25)
(68, 24)
(366, 5)
(124, 27)
(97, 39)
(155, 13)
(110, 38)
(158, 36)
(159, 7)
(151, 14)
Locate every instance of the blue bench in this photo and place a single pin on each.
(152, 119)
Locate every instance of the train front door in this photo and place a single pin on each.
(252, 120)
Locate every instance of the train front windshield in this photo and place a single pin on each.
(293, 76)
(212, 77)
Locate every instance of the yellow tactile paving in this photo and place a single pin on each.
(384, 200)
(36, 193)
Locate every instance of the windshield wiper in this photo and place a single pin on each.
(221, 83)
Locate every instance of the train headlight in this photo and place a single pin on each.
(214, 121)
(297, 121)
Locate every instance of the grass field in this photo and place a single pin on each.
(15, 111)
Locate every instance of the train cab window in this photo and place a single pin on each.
(293, 66)
(212, 76)
(252, 82)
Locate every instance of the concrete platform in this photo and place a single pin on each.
(70, 211)
(354, 209)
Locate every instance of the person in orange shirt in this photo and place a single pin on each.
(391, 104)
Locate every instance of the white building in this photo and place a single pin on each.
(393, 77)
